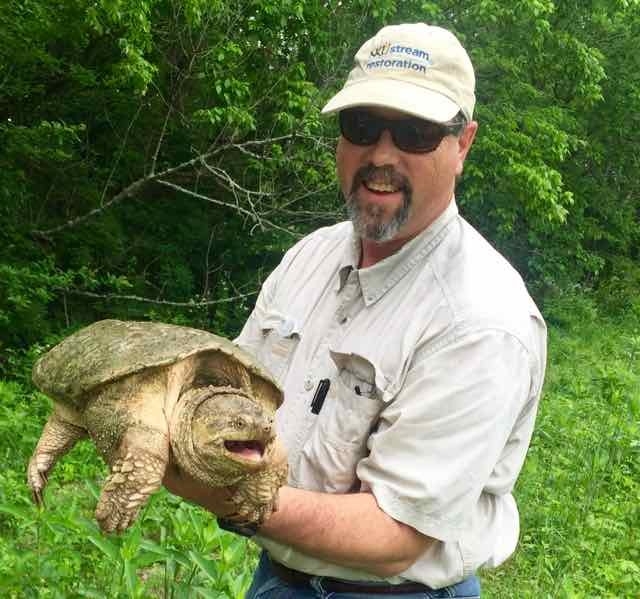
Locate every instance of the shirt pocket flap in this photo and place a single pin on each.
(354, 367)
(282, 324)
(281, 335)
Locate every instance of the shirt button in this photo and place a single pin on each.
(286, 328)
(308, 385)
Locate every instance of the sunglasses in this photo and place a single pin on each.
(363, 128)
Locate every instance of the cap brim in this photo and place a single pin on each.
(396, 94)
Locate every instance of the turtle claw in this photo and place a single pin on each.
(37, 498)
(256, 497)
(250, 511)
(111, 520)
(58, 437)
(39, 465)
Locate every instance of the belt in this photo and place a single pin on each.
(296, 578)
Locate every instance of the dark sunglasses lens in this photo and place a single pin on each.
(414, 135)
(360, 127)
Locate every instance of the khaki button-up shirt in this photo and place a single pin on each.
(434, 358)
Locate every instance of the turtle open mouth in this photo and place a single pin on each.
(251, 450)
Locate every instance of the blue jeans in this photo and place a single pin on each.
(266, 585)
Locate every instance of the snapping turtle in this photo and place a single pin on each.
(141, 390)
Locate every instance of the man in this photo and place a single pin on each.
(410, 354)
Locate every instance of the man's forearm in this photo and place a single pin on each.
(350, 530)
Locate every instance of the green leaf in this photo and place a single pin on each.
(131, 580)
(22, 514)
(208, 567)
(108, 547)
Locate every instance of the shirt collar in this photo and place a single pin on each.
(376, 280)
(349, 259)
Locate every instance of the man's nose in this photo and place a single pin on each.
(384, 151)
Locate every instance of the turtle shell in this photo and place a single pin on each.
(111, 349)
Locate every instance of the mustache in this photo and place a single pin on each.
(380, 174)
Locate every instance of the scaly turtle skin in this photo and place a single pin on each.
(141, 390)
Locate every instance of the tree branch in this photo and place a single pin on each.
(123, 145)
(252, 215)
(127, 192)
(136, 186)
(226, 177)
(137, 298)
(163, 132)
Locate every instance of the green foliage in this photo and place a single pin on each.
(24, 296)
(97, 100)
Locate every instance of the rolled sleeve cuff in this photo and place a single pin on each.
(413, 514)
(489, 540)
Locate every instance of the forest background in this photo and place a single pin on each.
(158, 156)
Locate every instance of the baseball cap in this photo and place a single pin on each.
(416, 68)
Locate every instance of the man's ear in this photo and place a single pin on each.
(465, 140)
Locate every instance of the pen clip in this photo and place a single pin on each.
(320, 395)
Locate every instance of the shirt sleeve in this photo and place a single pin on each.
(250, 336)
(441, 438)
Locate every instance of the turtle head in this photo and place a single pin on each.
(232, 430)
(220, 434)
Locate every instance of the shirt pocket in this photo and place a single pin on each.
(338, 440)
(280, 338)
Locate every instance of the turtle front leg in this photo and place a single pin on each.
(256, 495)
(137, 469)
(57, 438)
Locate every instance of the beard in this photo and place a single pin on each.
(371, 222)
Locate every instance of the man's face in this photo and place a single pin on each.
(392, 194)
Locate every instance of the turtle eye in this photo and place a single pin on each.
(239, 423)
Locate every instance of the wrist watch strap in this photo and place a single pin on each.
(245, 530)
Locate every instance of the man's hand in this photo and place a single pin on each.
(215, 500)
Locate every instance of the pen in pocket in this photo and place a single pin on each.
(320, 395)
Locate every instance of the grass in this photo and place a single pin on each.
(579, 495)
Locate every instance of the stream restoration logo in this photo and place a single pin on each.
(397, 56)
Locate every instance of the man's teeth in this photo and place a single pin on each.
(381, 186)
